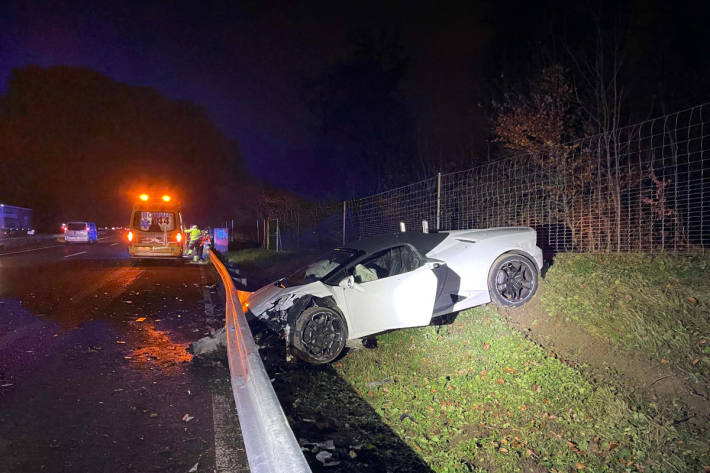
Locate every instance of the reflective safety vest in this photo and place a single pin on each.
(195, 234)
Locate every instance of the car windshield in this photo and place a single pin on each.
(77, 226)
(318, 270)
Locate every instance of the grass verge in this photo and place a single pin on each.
(656, 304)
(476, 395)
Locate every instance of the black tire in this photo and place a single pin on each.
(318, 335)
(512, 280)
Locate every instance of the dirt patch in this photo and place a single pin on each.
(635, 372)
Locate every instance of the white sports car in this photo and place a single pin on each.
(396, 281)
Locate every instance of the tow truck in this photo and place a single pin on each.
(156, 229)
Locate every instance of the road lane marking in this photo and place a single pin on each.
(226, 437)
(75, 254)
(29, 250)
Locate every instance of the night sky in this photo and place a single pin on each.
(247, 62)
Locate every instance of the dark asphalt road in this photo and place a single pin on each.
(88, 385)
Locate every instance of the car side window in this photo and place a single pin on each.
(391, 262)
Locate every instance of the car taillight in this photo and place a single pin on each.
(178, 237)
(130, 236)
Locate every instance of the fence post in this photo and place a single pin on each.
(438, 201)
(344, 210)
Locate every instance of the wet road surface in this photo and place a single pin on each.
(94, 376)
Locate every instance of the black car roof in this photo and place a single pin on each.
(423, 242)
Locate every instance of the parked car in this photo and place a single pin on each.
(396, 281)
(81, 232)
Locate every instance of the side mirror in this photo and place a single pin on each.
(348, 282)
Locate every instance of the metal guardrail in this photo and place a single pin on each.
(270, 444)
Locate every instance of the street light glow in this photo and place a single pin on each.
(144, 197)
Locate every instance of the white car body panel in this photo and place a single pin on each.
(409, 299)
(469, 254)
(404, 300)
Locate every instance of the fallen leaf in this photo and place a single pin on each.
(140, 319)
(692, 300)
(580, 466)
(153, 414)
(486, 346)
(523, 407)
(664, 361)
(695, 361)
(503, 450)
(500, 381)
(613, 445)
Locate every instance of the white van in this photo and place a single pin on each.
(81, 232)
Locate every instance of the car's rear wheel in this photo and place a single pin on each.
(512, 280)
(318, 335)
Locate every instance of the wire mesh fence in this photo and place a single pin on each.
(645, 187)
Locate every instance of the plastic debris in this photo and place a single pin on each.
(324, 458)
(327, 445)
(209, 344)
(194, 468)
(187, 418)
(377, 383)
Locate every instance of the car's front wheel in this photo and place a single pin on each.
(318, 335)
(512, 280)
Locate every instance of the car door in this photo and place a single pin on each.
(393, 289)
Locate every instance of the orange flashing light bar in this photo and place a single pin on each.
(145, 197)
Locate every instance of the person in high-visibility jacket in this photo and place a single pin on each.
(195, 236)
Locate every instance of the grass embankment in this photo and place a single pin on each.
(655, 304)
(478, 394)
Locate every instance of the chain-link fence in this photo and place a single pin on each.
(644, 187)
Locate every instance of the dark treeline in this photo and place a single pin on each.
(620, 61)
(75, 144)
